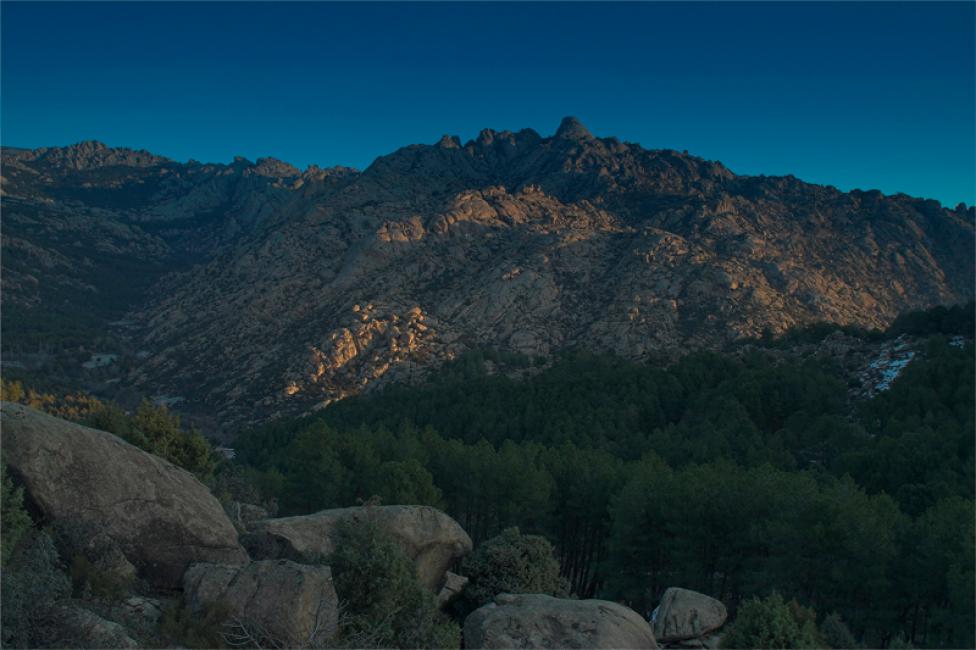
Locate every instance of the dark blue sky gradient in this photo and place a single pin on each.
(870, 96)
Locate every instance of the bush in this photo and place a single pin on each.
(513, 563)
(32, 582)
(154, 429)
(14, 520)
(836, 634)
(771, 622)
(383, 602)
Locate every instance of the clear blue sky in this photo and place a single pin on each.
(870, 96)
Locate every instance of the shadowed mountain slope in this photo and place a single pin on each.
(288, 290)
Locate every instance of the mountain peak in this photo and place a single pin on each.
(449, 142)
(572, 129)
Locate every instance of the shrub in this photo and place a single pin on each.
(32, 582)
(14, 520)
(510, 562)
(154, 429)
(383, 602)
(836, 634)
(771, 622)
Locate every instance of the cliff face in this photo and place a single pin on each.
(299, 288)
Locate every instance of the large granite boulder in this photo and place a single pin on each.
(685, 614)
(160, 517)
(538, 621)
(78, 627)
(428, 536)
(272, 603)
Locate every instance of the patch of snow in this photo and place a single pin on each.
(891, 370)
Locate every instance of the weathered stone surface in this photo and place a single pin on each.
(428, 536)
(244, 514)
(150, 609)
(538, 621)
(280, 602)
(160, 516)
(685, 614)
(81, 628)
(512, 240)
(453, 585)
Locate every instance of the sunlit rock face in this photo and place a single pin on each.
(300, 288)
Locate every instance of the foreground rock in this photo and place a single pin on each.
(538, 621)
(160, 516)
(428, 536)
(81, 628)
(453, 586)
(684, 614)
(275, 603)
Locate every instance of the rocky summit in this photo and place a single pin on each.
(256, 289)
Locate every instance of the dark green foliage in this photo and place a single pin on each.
(188, 449)
(731, 475)
(835, 633)
(921, 431)
(936, 574)
(752, 410)
(151, 428)
(511, 563)
(384, 605)
(957, 320)
(33, 581)
(233, 482)
(15, 521)
(733, 533)
(771, 622)
(156, 430)
(817, 332)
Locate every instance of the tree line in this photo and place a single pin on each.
(736, 475)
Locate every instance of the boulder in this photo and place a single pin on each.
(428, 536)
(139, 615)
(80, 628)
(160, 516)
(244, 514)
(271, 603)
(685, 614)
(539, 621)
(453, 586)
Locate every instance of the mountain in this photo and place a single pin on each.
(257, 289)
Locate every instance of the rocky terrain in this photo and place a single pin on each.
(168, 543)
(256, 289)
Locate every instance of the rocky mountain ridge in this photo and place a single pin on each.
(276, 291)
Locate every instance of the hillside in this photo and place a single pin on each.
(255, 289)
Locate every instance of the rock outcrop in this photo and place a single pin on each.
(453, 586)
(161, 518)
(538, 621)
(513, 241)
(684, 614)
(279, 603)
(82, 628)
(428, 536)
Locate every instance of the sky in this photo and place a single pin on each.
(870, 95)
